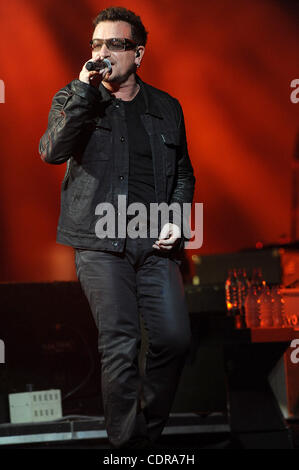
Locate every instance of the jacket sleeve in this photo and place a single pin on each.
(72, 108)
(185, 181)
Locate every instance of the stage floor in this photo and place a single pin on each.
(185, 430)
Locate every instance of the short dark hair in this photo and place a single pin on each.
(139, 34)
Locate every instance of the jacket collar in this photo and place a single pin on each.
(105, 95)
(151, 103)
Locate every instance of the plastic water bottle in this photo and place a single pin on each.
(278, 316)
(232, 293)
(266, 308)
(243, 285)
(252, 308)
(257, 280)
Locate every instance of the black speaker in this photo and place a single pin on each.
(50, 342)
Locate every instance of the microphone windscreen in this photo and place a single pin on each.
(90, 66)
(99, 65)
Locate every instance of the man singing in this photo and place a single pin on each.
(123, 137)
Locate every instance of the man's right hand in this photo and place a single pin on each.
(92, 77)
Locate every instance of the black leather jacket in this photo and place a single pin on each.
(87, 129)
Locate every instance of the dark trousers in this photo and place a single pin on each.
(119, 288)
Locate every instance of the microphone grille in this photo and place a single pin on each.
(89, 66)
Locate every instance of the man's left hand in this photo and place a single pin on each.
(168, 237)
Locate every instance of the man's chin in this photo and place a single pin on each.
(112, 78)
(108, 78)
(115, 78)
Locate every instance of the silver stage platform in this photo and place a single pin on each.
(80, 428)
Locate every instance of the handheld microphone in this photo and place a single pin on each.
(105, 63)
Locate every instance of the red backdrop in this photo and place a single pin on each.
(229, 63)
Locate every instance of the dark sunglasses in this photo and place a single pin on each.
(113, 44)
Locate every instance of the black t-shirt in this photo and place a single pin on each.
(141, 185)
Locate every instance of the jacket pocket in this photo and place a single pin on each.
(82, 195)
(99, 145)
(171, 140)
